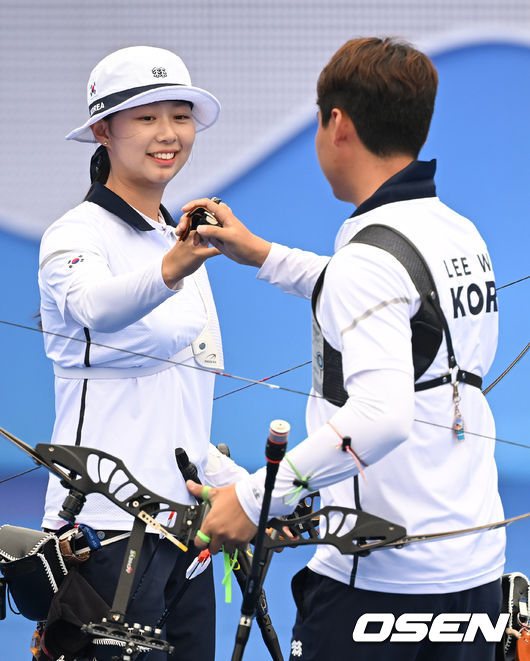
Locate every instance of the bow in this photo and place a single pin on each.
(353, 531)
(85, 471)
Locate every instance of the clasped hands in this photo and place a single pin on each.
(232, 239)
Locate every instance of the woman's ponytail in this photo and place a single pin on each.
(99, 167)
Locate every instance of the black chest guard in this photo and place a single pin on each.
(428, 325)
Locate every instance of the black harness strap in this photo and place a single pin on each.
(428, 325)
(461, 376)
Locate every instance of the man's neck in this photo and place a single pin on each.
(371, 172)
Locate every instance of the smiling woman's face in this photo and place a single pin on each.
(147, 145)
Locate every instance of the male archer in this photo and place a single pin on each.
(404, 329)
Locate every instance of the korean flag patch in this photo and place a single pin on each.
(75, 260)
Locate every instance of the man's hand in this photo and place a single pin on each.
(226, 523)
(233, 239)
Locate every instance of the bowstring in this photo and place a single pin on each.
(6, 479)
(425, 422)
(264, 381)
(170, 361)
(484, 392)
(472, 433)
(251, 382)
(290, 369)
(512, 283)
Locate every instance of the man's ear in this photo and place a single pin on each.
(344, 130)
(101, 131)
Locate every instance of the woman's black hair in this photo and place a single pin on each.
(99, 168)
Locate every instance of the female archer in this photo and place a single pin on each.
(117, 288)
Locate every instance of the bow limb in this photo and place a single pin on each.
(32, 453)
(431, 537)
(87, 470)
(354, 531)
(505, 372)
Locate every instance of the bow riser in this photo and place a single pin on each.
(346, 529)
(89, 471)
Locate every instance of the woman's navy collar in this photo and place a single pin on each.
(108, 200)
(413, 182)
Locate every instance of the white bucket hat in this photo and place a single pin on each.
(137, 75)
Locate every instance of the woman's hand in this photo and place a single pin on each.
(233, 239)
(184, 258)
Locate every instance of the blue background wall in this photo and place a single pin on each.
(481, 139)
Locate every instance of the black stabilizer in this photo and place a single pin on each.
(263, 618)
(189, 472)
(274, 453)
(242, 634)
(275, 450)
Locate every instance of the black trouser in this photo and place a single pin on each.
(328, 611)
(190, 626)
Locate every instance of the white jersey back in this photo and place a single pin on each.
(424, 482)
